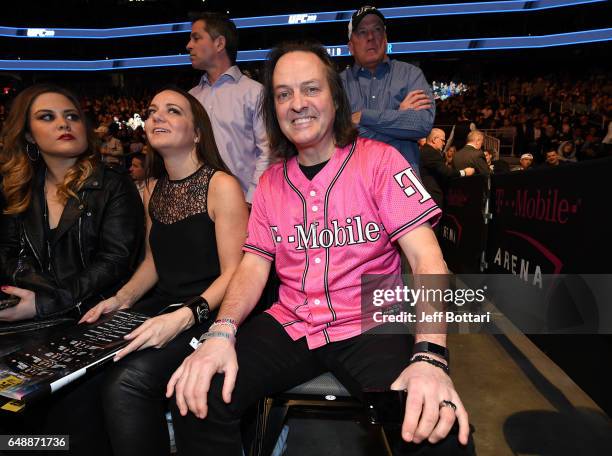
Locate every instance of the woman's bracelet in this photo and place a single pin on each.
(433, 362)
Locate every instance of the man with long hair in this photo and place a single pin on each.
(330, 212)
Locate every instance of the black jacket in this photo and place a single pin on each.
(434, 173)
(469, 157)
(95, 249)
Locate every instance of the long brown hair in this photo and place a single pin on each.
(17, 170)
(206, 148)
(344, 130)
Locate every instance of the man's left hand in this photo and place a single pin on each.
(356, 118)
(425, 419)
(415, 100)
(26, 308)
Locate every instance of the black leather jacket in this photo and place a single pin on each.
(95, 249)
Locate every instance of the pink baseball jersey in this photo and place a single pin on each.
(327, 232)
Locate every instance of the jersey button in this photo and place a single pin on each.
(313, 193)
(315, 208)
(317, 260)
(317, 302)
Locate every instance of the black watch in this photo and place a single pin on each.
(200, 309)
(434, 349)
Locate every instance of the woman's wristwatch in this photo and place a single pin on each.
(200, 309)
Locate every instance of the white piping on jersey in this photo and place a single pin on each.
(413, 221)
(294, 188)
(327, 340)
(289, 323)
(325, 211)
(265, 252)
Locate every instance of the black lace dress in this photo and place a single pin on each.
(184, 247)
(182, 236)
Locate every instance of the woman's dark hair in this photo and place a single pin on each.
(344, 130)
(206, 147)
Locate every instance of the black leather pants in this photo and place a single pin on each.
(134, 397)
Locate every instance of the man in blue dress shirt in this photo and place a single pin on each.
(231, 99)
(391, 100)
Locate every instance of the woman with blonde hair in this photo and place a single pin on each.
(70, 229)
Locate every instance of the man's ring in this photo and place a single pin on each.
(448, 404)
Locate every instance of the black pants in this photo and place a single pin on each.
(134, 395)
(270, 362)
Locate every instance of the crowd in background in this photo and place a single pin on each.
(529, 117)
(537, 116)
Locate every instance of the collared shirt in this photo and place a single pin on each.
(232, 103)
(326, 233)
(378, 97)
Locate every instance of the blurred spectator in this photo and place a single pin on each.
(111, 148)
(567, 151)
(137, 172)
(137, 141)
(550, 139)
(496, 166)
(566, 132)
(489, 159)
(462, 127)
(449, 155)
(434, 173)
(552, 159)
(471, 156)
(525, 163)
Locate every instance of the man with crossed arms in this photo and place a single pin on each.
(391, 100)
(333, 209)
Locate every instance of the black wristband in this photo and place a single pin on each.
(199, 307)
(434, 349)
(433, 362)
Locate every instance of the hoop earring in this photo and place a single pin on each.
(29, 153)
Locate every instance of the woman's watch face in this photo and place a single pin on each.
(202, 311)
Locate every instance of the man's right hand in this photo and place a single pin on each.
(415, 100)
(107, 306)
(469, 171)
(191, 381)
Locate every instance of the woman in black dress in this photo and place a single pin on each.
(196, 225)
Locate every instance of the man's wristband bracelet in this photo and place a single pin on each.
(433, 362)
(215, 334)
(226, 322)
(434, 349)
